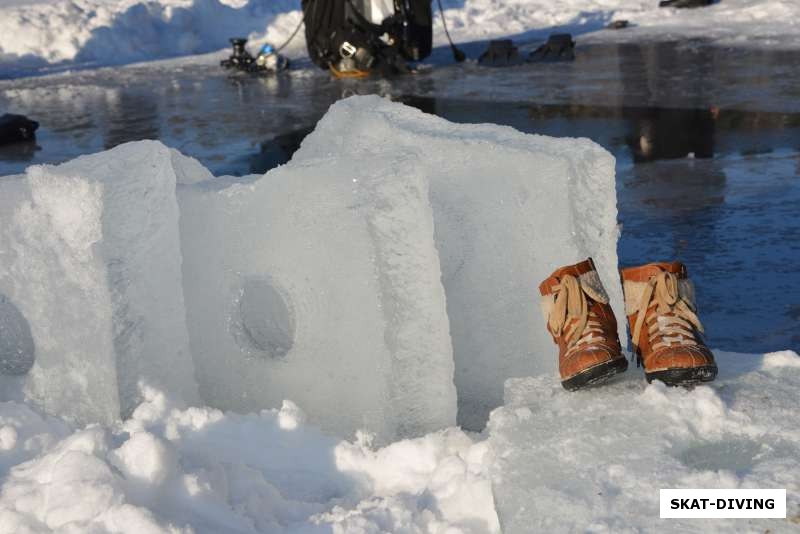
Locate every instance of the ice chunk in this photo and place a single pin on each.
(90, 259)
(595, 460)
(509, 208)
(187, 169)
(320, 283)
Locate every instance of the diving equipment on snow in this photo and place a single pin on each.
(458, 55)
(500, 53)
(685, 3)
(268, 59)
(559, 47)
(17, 129)
(354, 37)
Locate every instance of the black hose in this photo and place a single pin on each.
(458, 55)
(294, 33)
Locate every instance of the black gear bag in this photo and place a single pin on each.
(337, 29)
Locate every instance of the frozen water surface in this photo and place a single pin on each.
(595, 460)
(731, 217)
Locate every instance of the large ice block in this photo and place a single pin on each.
(90, 270)
(319, 282)
(509, 208)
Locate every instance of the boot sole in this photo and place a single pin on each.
(596, 375)
(684, 376)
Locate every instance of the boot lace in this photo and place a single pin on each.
(571, 316)
(675, 322)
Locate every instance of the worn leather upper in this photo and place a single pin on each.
(669, 330)
(586, 331)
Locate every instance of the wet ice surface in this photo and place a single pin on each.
(731, 217)
(737, 432)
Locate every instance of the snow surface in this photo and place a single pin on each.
(38, 35)
(591, 461)
(320, 282)
(91, 259)
(509, 208)
(599, 457)
(201, 470)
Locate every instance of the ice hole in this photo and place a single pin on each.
(17, 351)
(266, 324)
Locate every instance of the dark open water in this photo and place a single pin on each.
(707, 142)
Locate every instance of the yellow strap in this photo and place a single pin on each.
(348, 73)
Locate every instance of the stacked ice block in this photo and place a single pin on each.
(319, 282)
(508, 209)
(90, 260)
(396, 253)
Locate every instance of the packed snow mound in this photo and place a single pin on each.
(112, 32)
(90, 283)
(508, 209)
(553, 461)
(199, 470)
(320, 282)
(766, 23)
(595, 460)
(39, 35)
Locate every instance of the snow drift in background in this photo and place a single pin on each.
(109, 32)
(38, 35)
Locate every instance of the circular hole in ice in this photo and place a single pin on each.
(17, 351)
(266, 321)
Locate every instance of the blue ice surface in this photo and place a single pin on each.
(733, 221)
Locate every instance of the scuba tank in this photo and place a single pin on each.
(353, 37)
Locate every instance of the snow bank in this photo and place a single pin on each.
(204, 471)
(554, 461)
(508, 209)
(595, 460)
(91, 264)
(320, 282)
(110, 32)
(39, 35)
(770, 23)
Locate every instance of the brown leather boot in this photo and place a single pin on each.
(665, 329)
(578, 316)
